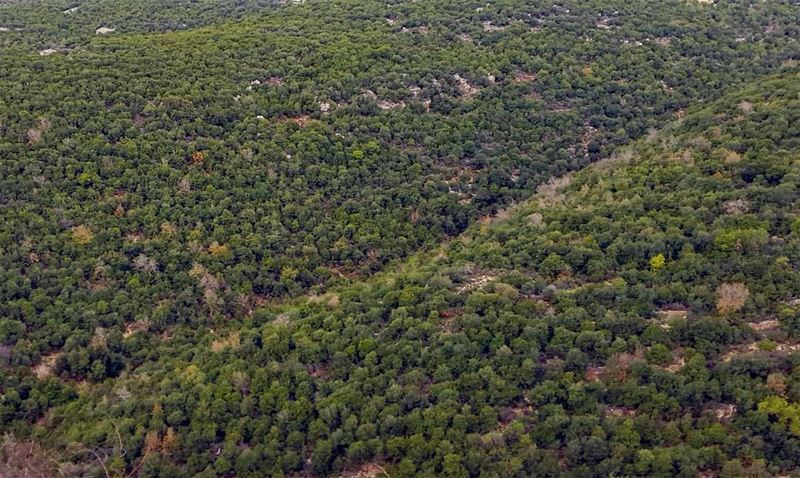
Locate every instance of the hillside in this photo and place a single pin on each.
(360, 239)
(639, 317)
(194, 176)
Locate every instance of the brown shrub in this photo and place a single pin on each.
(81, 235)
(217, 249)
(232, 341)
(144, 263)
(731, 297)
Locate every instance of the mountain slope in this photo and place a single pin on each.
(640, 317)
(194, 176)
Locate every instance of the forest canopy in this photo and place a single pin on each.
(418, 239)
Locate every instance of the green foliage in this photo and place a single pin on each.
(200, 229)
(657, 262)
(787, 414)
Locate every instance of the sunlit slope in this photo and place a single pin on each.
(639, 318)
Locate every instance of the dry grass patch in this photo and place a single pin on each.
(509, 414)
(523, 77)
(135, 326)
(765, 325)
(671, 312)
(300, 120)
(318, 371)
(26, 459)
(45, 367)
(723, 412)
(466, 89)
(615, 411)
(43, 125)
(594, 373)
(217, 249)
(282, 319)
(617, 366)
(764, 347)
(422, 30)
(736, 207)
(134, 237)
(389, 105)
(478, 281)
(168, 228)
(536, 219)
(677, 364)
(668, 314)
(232, 341)
(731, 157)
(500, 215)
(551, 192)
(367, 470)
(331, 299)
(488, 26)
